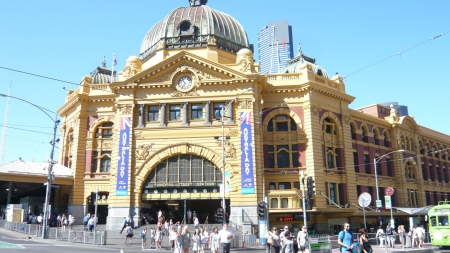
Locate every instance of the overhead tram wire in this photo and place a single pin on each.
(396, 54)
(27, 130)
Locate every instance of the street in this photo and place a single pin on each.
(14, 242)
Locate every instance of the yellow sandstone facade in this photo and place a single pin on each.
(152, 138)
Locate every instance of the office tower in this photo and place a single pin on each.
(275, 46)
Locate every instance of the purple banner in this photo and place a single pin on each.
(124, 157)
(247, 181)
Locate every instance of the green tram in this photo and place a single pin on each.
(439, 225)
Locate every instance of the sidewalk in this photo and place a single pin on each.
(377, 249)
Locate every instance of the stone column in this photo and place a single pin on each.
(206, 104)
(184, 116)
(141, 116)
(229, 105)
(162, 110)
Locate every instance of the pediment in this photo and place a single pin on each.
(164, 72)
(408, 122)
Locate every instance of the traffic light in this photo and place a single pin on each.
(92, 199)
(309, 204)
(262, 210)
(220, 215)
(310, 184)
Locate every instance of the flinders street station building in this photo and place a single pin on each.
(190, 119)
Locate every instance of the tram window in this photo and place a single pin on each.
(441, 220)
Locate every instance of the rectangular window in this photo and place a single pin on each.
(378, 168)
(271, 156)
(274, 203)
(106, 161)
(295, 162)
(355, 161)
(153, 113)
(94, 161)
(445, 175)
(272, 186)
(218, 110)
(438, 175)
(196, 111)
(424, 173)
(389, 167)
(107, 133)
(367, 164)
(297, 185)
(284, 203)
(284, 185)
(431, 173)
(333, 194)
(281, 126)
(174, 112)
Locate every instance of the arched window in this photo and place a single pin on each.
(364, 134)
(104, 130)
(412, 144)
(182, 170)
(386, 139)
(353, 131)
(331, 158)
(329, 126)
(101, 161)
(284, 154)
(429, 150)
(375, 136)
(421, 147)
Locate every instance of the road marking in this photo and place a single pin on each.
(10, 245)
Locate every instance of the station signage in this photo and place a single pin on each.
(285, 219)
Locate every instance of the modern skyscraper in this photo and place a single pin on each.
(275, 46)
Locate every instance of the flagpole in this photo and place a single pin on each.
(114, 63)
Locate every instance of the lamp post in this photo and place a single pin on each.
(375, 160)
(224, 109)
(51, 162)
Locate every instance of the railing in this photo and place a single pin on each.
(245, 241)
(234, 225)
(56, 233)
(246, 218)
(374, 240)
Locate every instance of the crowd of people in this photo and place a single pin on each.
(282, 241)
(180, 239)
(387, 237)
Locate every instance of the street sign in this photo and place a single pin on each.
(387, 201)
(389, 191)
(53, 185)
(379, 204)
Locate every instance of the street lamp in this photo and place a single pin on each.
(375, 160)
(51, 162)
(227, 107)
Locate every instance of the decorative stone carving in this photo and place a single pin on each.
(245, 61)
(394, 114)
(245, 104)
(315, 109)
(139, 136)
(346, 119)
(230, 150)
(212, 41)
(89, 145)
(107, 145)
(232, 132)
(164, 78)
(133, 66)
(161, 45)
(125, 109)
(192, 93)
(143, 151)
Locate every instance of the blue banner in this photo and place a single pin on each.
(247, 180)
(124, 157)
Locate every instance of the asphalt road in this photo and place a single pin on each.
(14, 242)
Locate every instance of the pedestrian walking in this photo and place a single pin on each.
(152, 237)
(224, 239)
(186, 239)
(143, 235)
(189, 216)
(86, 220)
(288, 244)
(380, 236)
(91, 223)
(197, 241)
(129, 233)
(345, 239)
(179, 241)
(364, 241)
(303, 240)
(64, 222)
(401, 234)
(71, 222)
(205, 239)
(273, 240)
(213, 240)
(158, 238)
(126, 222)
(172, 238)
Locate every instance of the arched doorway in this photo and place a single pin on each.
(180, 182)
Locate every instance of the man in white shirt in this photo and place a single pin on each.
(39, 220)
(224, 238)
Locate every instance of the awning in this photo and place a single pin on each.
(415, 210)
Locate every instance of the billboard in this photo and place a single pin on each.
(124, 157)
(247, 179)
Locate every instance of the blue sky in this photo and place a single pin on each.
(67, 40)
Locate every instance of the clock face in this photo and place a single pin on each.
(364, 199)
(185, 83)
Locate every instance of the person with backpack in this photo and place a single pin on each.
(126, 222)
(364, 241)
(288, 244)
(129, 233)
(390, 236)
(345, 239)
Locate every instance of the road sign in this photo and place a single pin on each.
(389, 191)
(387, 202)
(53, 185)
(379, 204)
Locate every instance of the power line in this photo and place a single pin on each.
(46, 77)
(27, 130)
(396, 54)
(28, 126)
(25, 139)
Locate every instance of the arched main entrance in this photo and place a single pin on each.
(180, 180)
